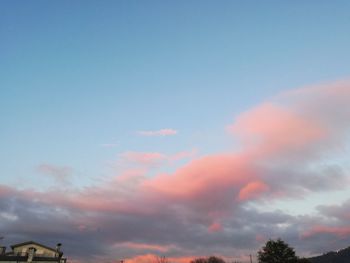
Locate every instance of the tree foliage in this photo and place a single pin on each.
(303, 260)
(211, 259)
(215, 260)
(199, 260)
(277, 251)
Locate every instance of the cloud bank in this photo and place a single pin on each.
(288, 149)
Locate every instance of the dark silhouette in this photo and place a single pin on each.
(303, 260)
(161, 260)
(277, 251)
(342, 256)
(211, 259)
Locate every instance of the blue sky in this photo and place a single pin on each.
(77, 75)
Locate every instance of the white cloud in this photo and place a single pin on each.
(161, 132)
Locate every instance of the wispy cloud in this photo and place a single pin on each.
(154, 159)
(143, 158)
(161, 132)
(59, 173)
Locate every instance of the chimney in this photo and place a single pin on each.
(58, 247)
(31, 254)
(59, 253)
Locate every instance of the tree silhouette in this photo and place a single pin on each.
(161, 259)
(215, 260)
(277, 251)
(303, 260)
(199, 260)
(211, 259)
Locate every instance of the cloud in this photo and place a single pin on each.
(183, 155)
(143, 158)
(59, 173)
(142, 247)
(161, 132)
(333, 226)
(288, 149)
(337, 211)
(270, 129)
(151, 258)
(253, 190)
(145, 161)
(215, 227)
(340, 232)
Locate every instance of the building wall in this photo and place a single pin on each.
(26, 261)
(40, 251)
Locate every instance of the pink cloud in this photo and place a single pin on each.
(215, 227)
(202, 175)
(144, 158)
(338, 231)
(162, 132)
(253, 190)
(327, 104)
(260, 238)
(271, 129)
(215, 183)
(143, 246)
(151, 258)
(267, 131)
(147, 258)
(6, 191)
(210, 189)
(153, 159)
(183, 155)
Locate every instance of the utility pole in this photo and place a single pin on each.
(250, 256)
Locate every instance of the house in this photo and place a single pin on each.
(32, 252)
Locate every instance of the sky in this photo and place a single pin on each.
(135, 129)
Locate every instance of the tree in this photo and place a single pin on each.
(277, 251)
(211, 259)
(199, 260)
(161, 260)
(303, 260)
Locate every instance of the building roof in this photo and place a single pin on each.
(34, 243)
